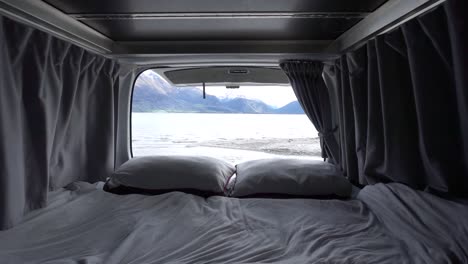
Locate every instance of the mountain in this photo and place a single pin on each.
(154, 94)
(244, 105)
(291, 108)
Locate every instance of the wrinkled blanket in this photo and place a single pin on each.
(385, 224)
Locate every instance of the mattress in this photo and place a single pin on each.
(385, 224)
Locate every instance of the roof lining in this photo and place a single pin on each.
(218, 75)
(220, 47)
(174, 6)
(389, 16)
(43, 16)
(46, 17)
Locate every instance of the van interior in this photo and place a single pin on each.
(374, 171)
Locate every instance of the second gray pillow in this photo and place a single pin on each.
(290, 177)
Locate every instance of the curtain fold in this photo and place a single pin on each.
(311, 92)
(458, 28)
(56, 117)
(402, 106)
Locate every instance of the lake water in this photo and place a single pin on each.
(233, 137)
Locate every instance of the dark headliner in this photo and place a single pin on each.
(141, 20)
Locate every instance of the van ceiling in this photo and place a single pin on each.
(169, 20)
(224, 76)
(228, 32)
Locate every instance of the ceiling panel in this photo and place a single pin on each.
(239, 75)
(223, 29)
(163, 6)
(219, 20)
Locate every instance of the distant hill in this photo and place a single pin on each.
(153, 94)
(291, 108)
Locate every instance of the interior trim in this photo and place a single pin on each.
(226, 76)
(227, 15)
(237, 59)
(227, 46)
(45, 17)
(390, 15)
(123, 143)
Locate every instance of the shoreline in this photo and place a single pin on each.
(278, 146)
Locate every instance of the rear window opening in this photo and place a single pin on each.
(233, 122)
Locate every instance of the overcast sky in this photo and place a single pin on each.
(277, 96)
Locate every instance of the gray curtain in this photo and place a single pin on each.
(311, 92)
(457, 24)
(402, 108)
(57, 106)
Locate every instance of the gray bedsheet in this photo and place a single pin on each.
(386, 224)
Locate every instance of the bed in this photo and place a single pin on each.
(385, 223)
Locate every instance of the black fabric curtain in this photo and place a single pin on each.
(402, 105)
(310, 89)
(56, 117)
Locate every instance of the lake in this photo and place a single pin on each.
(233, 137)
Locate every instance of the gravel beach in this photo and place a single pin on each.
(279, 146)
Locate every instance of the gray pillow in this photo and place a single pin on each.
(160, 174)
(289, 177)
